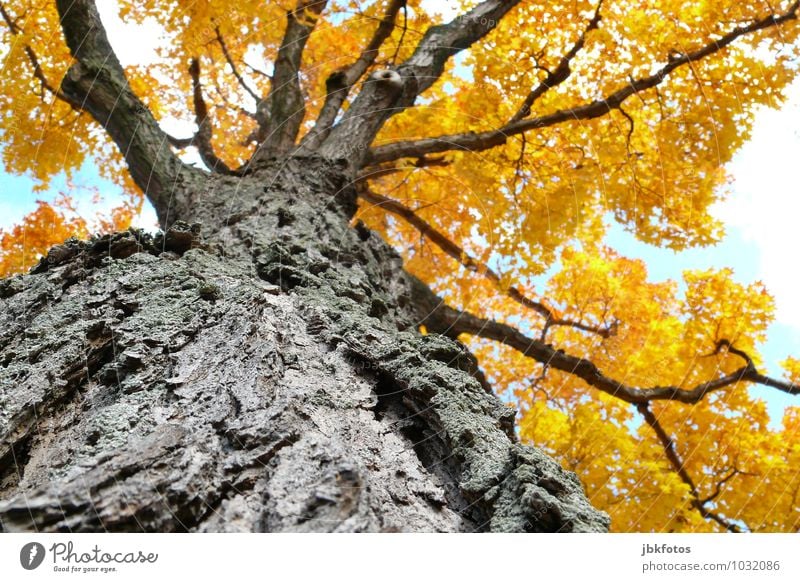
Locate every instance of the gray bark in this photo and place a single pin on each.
(383, 96)
(259, 372)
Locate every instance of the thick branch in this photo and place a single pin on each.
(451, 321)
(202, 139)
(472, 264)
(480, 141)
(96, 82)
(561, 73)
(285, 105)
(341, 82)
(380, 99)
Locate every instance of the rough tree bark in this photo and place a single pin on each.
(261, 372)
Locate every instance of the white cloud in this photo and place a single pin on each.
(446, 8)
(765, 203)
(146, 219)
(133, 43)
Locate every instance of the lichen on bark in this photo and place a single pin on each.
(261, 372)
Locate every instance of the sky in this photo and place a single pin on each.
(761, 214)
(762, 225)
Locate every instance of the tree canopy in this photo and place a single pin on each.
(489, 147)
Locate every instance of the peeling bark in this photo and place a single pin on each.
(261, 372)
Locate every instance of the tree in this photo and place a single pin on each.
(266, 362)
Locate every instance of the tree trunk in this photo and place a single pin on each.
(260, 371)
